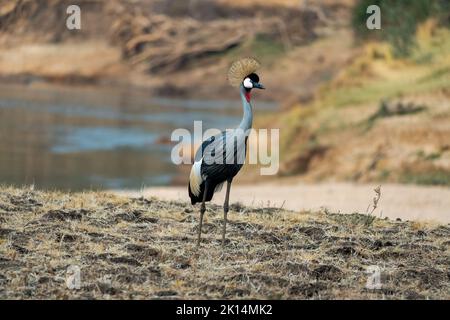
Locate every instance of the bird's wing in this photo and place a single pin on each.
(222, 153)
(219, 157)
(196, 178)
(200, 150)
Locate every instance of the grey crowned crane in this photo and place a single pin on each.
(220, 157)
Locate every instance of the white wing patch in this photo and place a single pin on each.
(195, 178)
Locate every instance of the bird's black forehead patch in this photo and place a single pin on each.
(254, 77)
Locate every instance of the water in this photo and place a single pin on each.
(76, 139)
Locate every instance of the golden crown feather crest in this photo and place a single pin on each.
(240, 69)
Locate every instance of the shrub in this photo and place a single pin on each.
(399, 20)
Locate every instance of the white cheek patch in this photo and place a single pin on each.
(248, 83)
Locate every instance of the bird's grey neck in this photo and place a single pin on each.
(247, 119)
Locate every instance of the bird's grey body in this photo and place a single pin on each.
(220, 157)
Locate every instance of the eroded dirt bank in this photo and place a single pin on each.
(173, 48)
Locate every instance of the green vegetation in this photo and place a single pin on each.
(400, 19)
(434, 177)
(387, 110)
(430, 156)
(266, 48)
(379, 75)
(372, 93)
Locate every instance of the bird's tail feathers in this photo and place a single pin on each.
(195, 178)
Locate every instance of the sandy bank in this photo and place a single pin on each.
(407, 202)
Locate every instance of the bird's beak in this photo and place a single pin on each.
(258, 85)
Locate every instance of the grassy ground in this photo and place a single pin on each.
(144, 248)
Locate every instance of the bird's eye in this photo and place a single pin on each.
(248, 83)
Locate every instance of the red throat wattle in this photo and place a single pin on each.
(247, 96)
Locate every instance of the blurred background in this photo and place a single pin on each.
(94, 108)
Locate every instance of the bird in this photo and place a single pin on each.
(217, 161)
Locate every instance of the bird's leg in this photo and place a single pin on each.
(225, 211)
(202, 212)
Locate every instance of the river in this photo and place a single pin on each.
(89, 138)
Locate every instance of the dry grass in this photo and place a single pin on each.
(144, 248)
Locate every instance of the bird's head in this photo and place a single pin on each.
(242, 73)
(252, 81)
